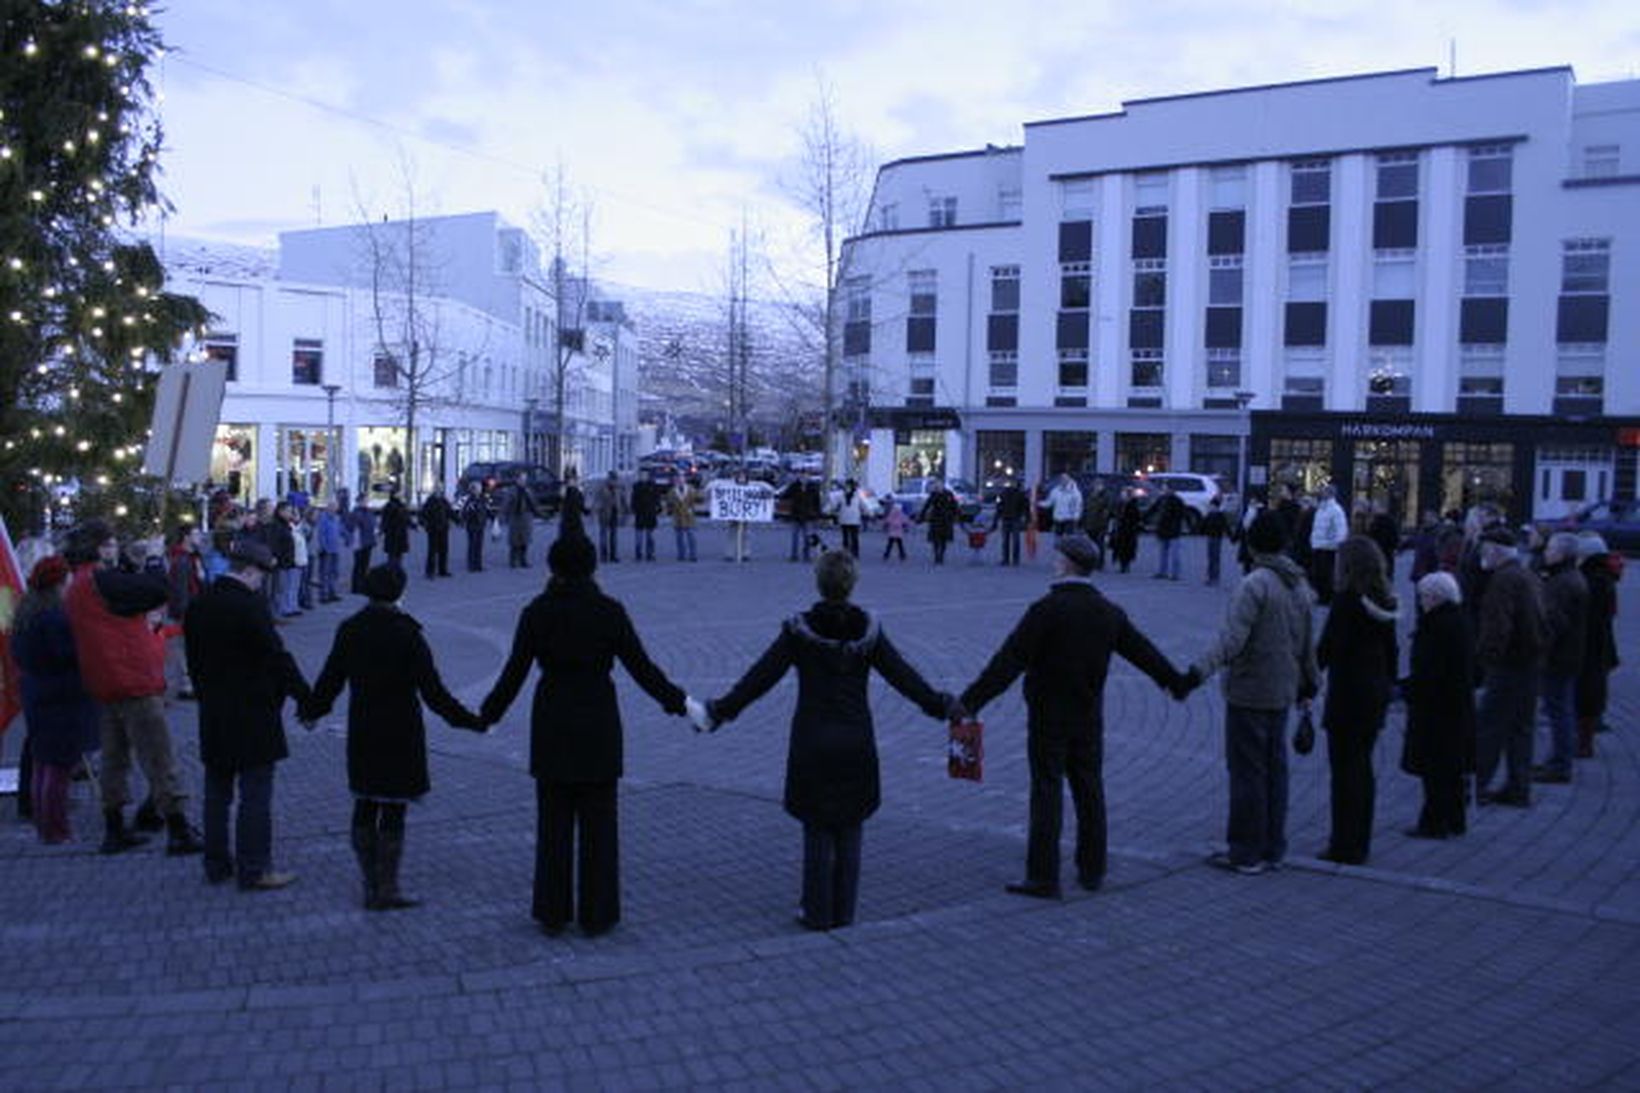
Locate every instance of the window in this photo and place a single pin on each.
(1486, 271)
(1004, 288)
(1306, 324)
(1075, 240)
(1002, 332)
(1228, 187)
(1388, 373)
(942, 212)
(1397, 175)
(1150, 193)
(1010, 204)
(1390, 322)
(1314, 386)
(1147, 368)
(1480, 371)
(1306, 280)
(1004, 369)
(1585, 267)
(1072, 330)
(307, 358)
(1075, 286)
(1395, 224)
(923, 288)
(1394, 275)
(1073, 368)
(1149, 284)
(856, 316)
(1600, 161)
(386, 369)
(1226, 232)
(1224, 368)
(1483, 320)
(1487, 219)
(224, 348)
(1309, 228)
(1150, 235)
(1311, 182)
(922, 386)
(1491, 169)
(888, 216)
(1582, 319)
(1145, 328)
(1224, 281)
(1223, 329)
(1076, 198)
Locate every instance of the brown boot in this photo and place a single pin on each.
(1585, 736)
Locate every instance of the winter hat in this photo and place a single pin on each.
(1079, 549)
(384, 583)
(572, 557)
(247, 551)
(1590, 544)
(48, 573)
(1268, 534)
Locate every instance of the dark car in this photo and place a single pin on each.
(544, 486)
(1617, 522)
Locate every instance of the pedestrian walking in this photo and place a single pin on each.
(381, 657)
(575, 633)
(475, 518)
(646, 508)
(1327, 534)
(1063, 646)
(1440, 697)
(941, 514)
(895, 524)
(1268, 656)
(361, 533)
(1169, 517)
(832, 781)
(1215, 527)
(244, 674)
(1599, 643)
(1509, 646)
(520, 512)
(1565, 615)
(1359, 655)
(436, 515)
(1012, 514)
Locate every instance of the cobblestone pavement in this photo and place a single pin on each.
(1508, 958)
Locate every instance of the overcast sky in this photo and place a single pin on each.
(678, 115)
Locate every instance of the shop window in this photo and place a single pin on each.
(999, 459)
(1076, 241)
(233, 461)
(381, 461)
(1472, 473)
(918, 453)
(1302, 464)
(1215, 454)
(1144, 453)
(1069, 453)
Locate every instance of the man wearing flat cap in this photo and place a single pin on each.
(1063, 645)
(242, 675)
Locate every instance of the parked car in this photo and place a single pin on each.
(1195, 490)
(544, 486)
(1618, 522)
(1112, 485)
(912, 494)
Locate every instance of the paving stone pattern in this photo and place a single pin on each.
(1509, 958)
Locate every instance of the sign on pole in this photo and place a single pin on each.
(186, 411)
(751, 503)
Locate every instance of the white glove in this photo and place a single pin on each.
(697, 714)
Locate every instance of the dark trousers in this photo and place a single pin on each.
(1443, 813)
(438, 553)
(939, 550)
(563, 811)
(1321, 575)
(518, 554)
(1349, 761)
(800, 540)
(1010, 542)
(1255, 750)
(831, 875)
(253, 829)
(851, 538)
(1215, 548)
(475, 549)
(895, 542)
(1076, 759)
(609, 537)
(1504, 713)
(643, 544)
(361, 566)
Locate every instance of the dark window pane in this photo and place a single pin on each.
(1150, 237)
(1073, 373)
(1390, 323)
(1002, 333)
(1224, 328)
(1395, 225)
(1306, 324)
(919, 335)
(1075, 290)
(1070, 401)
(856, 339)
(1484, 320)
(1076, 240)
(1005, 294)
(1001, 400)
(1226, 232)
(1073, 330)
(1582, 319)
(1146, 373)
(1150, 289)
(1308, 227)
(1145, 328)
(1486, 219)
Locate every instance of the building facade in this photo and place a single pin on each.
(391, 354)
(1406, 285)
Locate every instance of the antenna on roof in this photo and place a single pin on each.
(318, 208)
(1452, 58)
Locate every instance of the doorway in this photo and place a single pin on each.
(1386, 473)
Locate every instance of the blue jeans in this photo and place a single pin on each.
(643, 544)
(329, 564)
(800, 540)
(685, 536)
(1168, 565)
(1255, 750)
(253, 833)
(1503, 728)
(1560, 710)
(290, 588)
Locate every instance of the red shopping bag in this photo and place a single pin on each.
(965, 752)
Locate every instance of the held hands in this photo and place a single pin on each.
(699, 716)
(955, 712)
(1184, 683)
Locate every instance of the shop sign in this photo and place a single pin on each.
(1376, 430)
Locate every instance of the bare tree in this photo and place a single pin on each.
(564, 226)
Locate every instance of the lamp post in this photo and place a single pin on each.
(1242, 399)
(529, 430)
(333, 458)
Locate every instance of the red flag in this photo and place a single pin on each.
(11, 591)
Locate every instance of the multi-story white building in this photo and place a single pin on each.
(331, 339)
(1396, 282)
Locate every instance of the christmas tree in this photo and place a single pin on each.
(85, 323)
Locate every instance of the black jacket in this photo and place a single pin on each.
(941, 513)
(576, 633)
(1064, 645)
(395, 527)
(475, 512)
(1599, 644)
(1169, 516)
(1440, 695)
(1358, 652)
(831, 760)
(1566, 614)
(435, 515)
(242, 674)
(572, 517)
(381, 657)
(1130, 519)
(646, 504)
(1013, 506)
(281, 541)
(1215, 525)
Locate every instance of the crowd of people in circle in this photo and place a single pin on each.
(1499, 629)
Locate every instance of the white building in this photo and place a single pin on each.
(328, 337)
(1397, 282)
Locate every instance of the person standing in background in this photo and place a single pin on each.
(435, 521)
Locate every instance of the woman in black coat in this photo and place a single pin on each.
(381, 657)
(574, 510)
(941, 513)
(1600, 645)
(1440, 696)
(1357, 650)
(1124, 544)
(576, 633)
(832, 782)
(395, 529)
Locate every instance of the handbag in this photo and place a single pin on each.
(965, 751)
(1304, 735)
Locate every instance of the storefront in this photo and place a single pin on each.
(1533, 467)
(380, 459)
(304, 462)
(233, 461)
(924, 442)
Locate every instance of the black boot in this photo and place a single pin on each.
(116, 838)
(389, 851)
(365, 850)
(147, 817)
(183, 838)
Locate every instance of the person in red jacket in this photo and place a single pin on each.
(122, 663)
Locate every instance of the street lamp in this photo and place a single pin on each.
(333, 459)
(1242, 399)
(529, 430)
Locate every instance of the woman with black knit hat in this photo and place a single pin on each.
(576, 633)
(382, 658)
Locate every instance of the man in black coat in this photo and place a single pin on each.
(646, 510)
(1169, 526)
(475, 515)
(242, 675)
(1013, 512)
(395, 529)
(1063, 645)
(435, 520)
